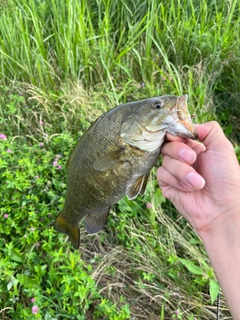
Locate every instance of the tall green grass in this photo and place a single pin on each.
(111, 42)
(62, 64)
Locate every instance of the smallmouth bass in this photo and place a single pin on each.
(114, 158)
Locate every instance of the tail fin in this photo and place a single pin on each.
(63, 226)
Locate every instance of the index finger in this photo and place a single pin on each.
(170, 137)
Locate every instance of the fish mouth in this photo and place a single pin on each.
(183, 125)
(181, 116)
(190, 127)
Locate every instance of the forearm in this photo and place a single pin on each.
(223, 247)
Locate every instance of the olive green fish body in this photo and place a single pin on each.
(112, 159)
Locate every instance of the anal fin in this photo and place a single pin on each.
(95, 222)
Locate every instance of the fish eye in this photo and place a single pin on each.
(157, 105)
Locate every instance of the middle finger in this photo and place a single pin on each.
(186, 152)
(183, 172)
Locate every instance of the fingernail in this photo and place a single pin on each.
(195, 180)
(187, 155)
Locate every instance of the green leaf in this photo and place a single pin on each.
(15, 255)
(193, 241)
(124, 206)
(214, 290)
(158, 198)
(49, 317)
(28, 282)
(13, 281)
(190, 265)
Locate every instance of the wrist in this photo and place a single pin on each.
(222, 243)
(225, 226)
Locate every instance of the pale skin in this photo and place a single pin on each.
(202, 180)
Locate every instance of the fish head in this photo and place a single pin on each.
(146, 128)
(168, 113)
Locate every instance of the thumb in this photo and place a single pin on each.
(212, 135)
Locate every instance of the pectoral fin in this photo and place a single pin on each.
(138, 187)
(108, 161)
(63, 226)
(95, 222)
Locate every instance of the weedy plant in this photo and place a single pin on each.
(63, 63)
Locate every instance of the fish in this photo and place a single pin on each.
(114, 157)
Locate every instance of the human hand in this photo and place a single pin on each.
(201, 180)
